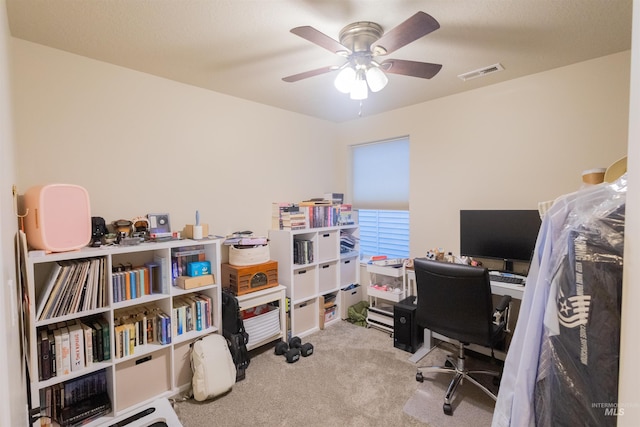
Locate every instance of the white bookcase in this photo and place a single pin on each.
(151, 370)
(317, 279)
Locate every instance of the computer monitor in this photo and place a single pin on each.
(508, 235)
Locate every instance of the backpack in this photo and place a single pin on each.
(214, 371)
(233, 330)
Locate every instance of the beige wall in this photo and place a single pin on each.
(506, 146)
(141, 144)
(13, 395)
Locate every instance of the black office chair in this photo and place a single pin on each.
(454, 300)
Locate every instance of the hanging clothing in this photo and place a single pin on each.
(533, 382)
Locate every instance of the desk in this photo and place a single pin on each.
(497, 288)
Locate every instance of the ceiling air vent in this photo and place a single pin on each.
(481, 72)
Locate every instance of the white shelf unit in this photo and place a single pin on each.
(267, 327)
(153, 370)
(329, 271)
(381, 302)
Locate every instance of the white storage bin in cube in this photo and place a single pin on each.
(263, 326)
(349, 296)
(327, 245)
(305, 316)
(304, 283)
(328, 277)
(348, 270)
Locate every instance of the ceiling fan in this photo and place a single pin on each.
(361, 43)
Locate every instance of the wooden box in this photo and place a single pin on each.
(188, 282)
(245, 279)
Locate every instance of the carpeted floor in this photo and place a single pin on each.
(354, 378)
(471, 406)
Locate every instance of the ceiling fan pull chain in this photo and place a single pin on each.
(360, 112)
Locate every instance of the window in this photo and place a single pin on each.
(384, 232)
(381, 196)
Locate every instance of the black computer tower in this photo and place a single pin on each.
(406, 334)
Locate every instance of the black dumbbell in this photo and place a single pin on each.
(305, 349)
(291, 354)
(295, 342)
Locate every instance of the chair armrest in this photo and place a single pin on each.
(504, 303)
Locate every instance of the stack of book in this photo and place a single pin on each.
(312, 213)
(288, 216)
(71, 346)
(73, 286)
(138, 326)
(135, 282)
(76, 402)
(191, 313)
(302, 251)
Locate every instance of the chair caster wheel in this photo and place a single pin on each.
(419, 377)
(446, 408)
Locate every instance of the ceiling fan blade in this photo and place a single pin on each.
(410, 30)
(311, 73)
(321, 39)
(423, 70)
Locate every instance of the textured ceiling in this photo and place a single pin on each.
(243, 48)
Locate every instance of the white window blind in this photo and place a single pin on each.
(381, 196)
(381, 175)
(384, 232)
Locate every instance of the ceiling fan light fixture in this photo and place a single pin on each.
(359, 90)
(376, 79)
(345, 79)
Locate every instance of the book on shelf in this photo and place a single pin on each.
(163, 329)
(334, 198)
(57, 337)
(106, 338)
(88, 344)
(52, 350)
(44, 355)
(85, 411)
(76, 340)
(71, 346)
(77, 401)
(48, 288)
(65, 350)
(315, 202)
(56, 294)
(97, 327)
(71, 287)
(302, 251)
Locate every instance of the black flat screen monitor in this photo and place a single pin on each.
(509, 235)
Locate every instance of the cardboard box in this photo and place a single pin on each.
(186, 282)
(329, 313)
(187, 233)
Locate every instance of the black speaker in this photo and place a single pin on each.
(406, 334)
